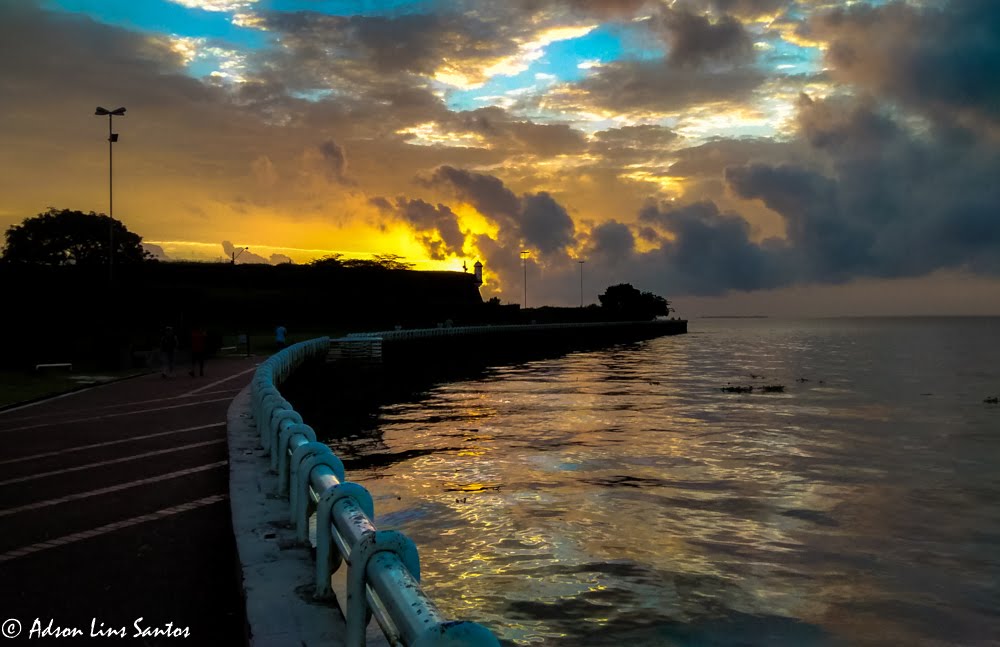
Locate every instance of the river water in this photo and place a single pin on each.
(620, 495)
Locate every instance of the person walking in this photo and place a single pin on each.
(280, 336)
(198, 342)
(168, 348)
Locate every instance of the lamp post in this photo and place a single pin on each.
(524, 261)
(235, 255)
(581, 282)
(112, 138)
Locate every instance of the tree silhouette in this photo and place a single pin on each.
(623, 301)
(377, 262)
(65, 237)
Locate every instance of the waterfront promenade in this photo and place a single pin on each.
(114, 507)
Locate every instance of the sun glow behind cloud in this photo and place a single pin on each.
(282, 121)
(432, 134)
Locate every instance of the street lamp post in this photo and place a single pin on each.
(112, 138)
(524, 261)
(581, 282)
(235, 255)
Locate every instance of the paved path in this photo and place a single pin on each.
(114, 506)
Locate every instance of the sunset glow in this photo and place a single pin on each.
(661, 137)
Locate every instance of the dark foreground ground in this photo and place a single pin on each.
(114, 509)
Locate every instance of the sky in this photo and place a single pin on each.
(784, 157)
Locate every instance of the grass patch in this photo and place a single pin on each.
(23, 386)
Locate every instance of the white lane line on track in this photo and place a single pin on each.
(109, 443)
(88, 466)
(68, 412)
(112, 415)
(111, 527)
(114, 488)
(218, 382)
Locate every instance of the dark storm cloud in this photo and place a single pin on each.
(656, 86)
(484, 192)
(694, 39)
(611, 243)
(829, 246)
(437, 226)
(535, 219)
(710, 252)
(942, 58)
(545, 224)
(862, 194)
(892, 203)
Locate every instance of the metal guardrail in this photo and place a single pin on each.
(383, 577)
(457, 331)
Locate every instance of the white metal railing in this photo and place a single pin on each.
(458, 331)
(383, 577)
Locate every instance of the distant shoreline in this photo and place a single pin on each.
(734, 317)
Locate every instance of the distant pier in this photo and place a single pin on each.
(500, 341)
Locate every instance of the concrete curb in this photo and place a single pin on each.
(278, 572)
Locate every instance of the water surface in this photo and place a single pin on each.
(620, 495)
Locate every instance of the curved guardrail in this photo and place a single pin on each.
(383, 577)
(445, 331)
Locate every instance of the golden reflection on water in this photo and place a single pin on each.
(620, 493)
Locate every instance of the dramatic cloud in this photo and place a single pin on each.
(486, 193)
(545, 224)
(437, 226)
(897, 203)
(940, 58)
(694, 39)
(534, 219)
(687, 147)
(711, 252)
(611, 243)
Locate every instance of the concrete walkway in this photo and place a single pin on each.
(114, 507)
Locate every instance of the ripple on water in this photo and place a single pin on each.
(618, 495)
